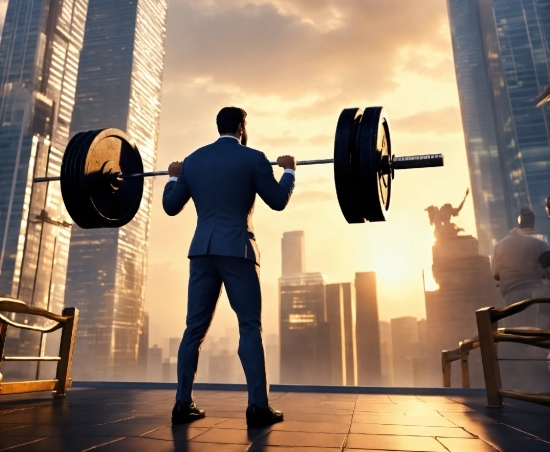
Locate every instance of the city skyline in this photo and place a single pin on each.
(414, 80)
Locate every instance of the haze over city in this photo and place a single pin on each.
(251, 54)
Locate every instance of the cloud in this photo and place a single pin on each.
(310, 197)
(443, 121)
(296, 47)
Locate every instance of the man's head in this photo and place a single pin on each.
(547, 206)
(526, 218)
(232, 121)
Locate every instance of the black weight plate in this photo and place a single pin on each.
(112, 205)
(375, 184)
(71, 170)
(345, 166)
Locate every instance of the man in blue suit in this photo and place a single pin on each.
(223, 179)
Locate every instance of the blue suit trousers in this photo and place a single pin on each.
(241, 279)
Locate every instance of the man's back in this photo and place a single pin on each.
(516, 261)
(223, 179)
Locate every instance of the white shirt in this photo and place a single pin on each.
(288, 170)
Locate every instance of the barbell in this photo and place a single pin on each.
(102, 171)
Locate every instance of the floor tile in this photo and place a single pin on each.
(401, 443)
(465, 445)
(176, 433)
(67, 444)
(377, 429)
(301, 439)
(229, 436)
(7, 442)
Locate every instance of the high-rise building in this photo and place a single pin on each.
(143, 350)
(119, 85)
(369, 371)
(154, 363)
(502, 62)
(350, 317)
(335, 314)
(304, 330)
(386, 357)
(293, 253)
(39, 59)
(404, 331)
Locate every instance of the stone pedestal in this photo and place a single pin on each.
(465, 284)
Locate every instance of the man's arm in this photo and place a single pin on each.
(176, 192)
(275, 194)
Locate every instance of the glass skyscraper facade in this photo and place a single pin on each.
(39, 58)
(502, 62)
(119, 85)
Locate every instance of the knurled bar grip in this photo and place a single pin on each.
(417, 161)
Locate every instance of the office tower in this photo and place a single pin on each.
(335, 314)
(143, 349)
(369, 371)
(404, 336)
(502, 61)
(272, 357)
(348, 292)
(173, 346)
(154, 363)
(386, 356)
(465, 284)
(304, 330)
(420, 371)
(39, 58)
(119, 85)
(293, 253)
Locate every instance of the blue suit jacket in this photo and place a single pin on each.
(223, 179)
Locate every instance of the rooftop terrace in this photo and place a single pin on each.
(127, 418)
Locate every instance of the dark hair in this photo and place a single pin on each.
(526, 218)
(548, 202)
(229, 118)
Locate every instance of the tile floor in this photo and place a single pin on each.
(134, 420)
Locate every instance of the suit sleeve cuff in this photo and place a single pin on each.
(173, 178)
(290, 171)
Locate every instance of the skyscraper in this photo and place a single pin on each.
(293, 253)
(369, 370)
(404, 331)
(119, 85)
(502, 62)
(304, 332)
(39, 58)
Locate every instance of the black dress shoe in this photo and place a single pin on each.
(261, 417)
(183, 413)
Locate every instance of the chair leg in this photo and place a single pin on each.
(66, 349)
(3, 332)
(446, 368)
(464, 367)
(489, 357)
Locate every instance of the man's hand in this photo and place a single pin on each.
(174, 169)
(287, 162)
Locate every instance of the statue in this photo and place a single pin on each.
(441, 218)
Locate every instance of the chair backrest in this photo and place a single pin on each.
(490, 335)
(68, 321)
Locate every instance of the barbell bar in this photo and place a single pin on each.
(102, 171)
(416, 161)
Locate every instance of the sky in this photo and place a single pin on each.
(294, 65)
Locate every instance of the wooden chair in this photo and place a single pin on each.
(462, 353)
(68, 321)
(490, 335)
